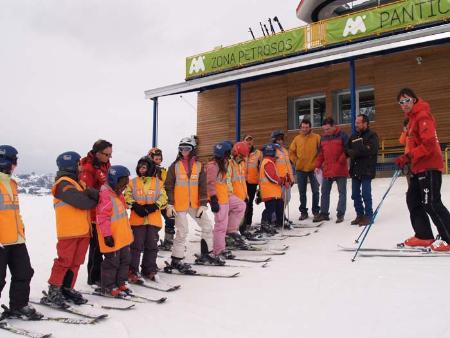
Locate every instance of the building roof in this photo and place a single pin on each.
(338, 54)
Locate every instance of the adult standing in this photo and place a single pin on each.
(333, 163)
(252, 177)
(303, 153)
(94, 171)
(425, 158)
(362, 149)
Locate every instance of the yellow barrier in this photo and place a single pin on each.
(394, 150)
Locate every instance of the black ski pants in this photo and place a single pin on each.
(17, 259)
(146, 239)
(114, 268)
(251, 192)
(275, 206)
(95, 259)
(424, 198)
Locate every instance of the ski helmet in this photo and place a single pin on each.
(115, 173)
(277, 134)
(187, 142)
(68, 161)
(8, 156)
(219, 150)
(241, 148)
(269, 150)
(155, 152)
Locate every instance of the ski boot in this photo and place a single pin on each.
(206, 257)
(55, 296)
(27, 312)
(73, 296)
(227, 254)
(151, 276)
(235, 240)
(267, 228)
(125, 289)
(178, 264)
(167, 244)
(134, 278)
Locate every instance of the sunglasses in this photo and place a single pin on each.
(407, 100)
(185, 148)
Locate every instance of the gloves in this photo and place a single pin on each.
(171, 213)
(403, 160)
(92, 193)
(139, 209)
(214, 203)
(201, 209)
(150, 208)
(109, 241)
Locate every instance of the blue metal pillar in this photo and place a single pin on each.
(238, 111)
(353, 93)
(155, 122)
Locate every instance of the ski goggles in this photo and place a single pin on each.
(406, 100)
(185, 148)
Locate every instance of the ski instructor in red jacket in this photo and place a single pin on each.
(94, 170)
(425, 158)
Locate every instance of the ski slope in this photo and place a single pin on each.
(312, 291)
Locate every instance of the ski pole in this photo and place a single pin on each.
(366, 230)
(284, 207)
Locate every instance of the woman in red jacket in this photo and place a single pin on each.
(425, 158)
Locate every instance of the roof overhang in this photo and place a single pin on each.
(388, 44)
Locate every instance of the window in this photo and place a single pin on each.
(311, 107)
(365, 104)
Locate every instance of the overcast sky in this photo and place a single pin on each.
(76, 71)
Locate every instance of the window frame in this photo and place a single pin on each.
(310, 97)
(336, 108)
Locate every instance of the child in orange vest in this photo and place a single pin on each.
(114, 233)
(146, 195)
(72, 203)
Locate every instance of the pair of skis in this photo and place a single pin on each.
(399, 251)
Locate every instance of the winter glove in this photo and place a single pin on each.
(201, 209)
(403, 160)
(139, 209)
(171, 213)
(150, 208)
(214, 203)
(92, 193)
(109, 241)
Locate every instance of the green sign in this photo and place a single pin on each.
(386, 18)
(255, 51)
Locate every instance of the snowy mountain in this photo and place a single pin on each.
(35, 184)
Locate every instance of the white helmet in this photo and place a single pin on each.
(188, 141)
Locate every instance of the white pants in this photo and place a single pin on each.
(182, 230)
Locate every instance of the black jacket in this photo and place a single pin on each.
(362, 148)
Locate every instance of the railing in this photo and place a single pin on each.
(395, 148)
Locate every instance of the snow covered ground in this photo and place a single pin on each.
(313, 291)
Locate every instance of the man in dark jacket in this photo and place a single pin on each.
(362, 149)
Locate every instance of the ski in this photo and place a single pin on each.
(398, 249)
(70, 309)
(130, 298)
(27, 333)
(307, 225)
(171, 271)
(159, 286)
(108, 307)
(227, 265)
(251, 260)
(403, 254)
(266, 251)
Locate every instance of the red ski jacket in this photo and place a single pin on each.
(331, 158)
(422, 142)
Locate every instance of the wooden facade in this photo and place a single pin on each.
(264, 102)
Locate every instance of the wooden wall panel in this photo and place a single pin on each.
(264, 103)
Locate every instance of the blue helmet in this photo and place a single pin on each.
(228, 145)
(220, 149)
(8, 156)
(269, 150)
(115, 173)
(68, 161)
(277, 134)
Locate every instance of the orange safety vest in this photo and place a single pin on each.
(268, 189)
(71, 222)
(252, 167)
(221, 188)
(283, 163)
(186, 188)
(238, 179)
(150, 197)
(11, 225)
(120, 227)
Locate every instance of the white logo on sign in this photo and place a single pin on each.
(197, 65)
(354, 26)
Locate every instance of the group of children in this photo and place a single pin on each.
(227, 182)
